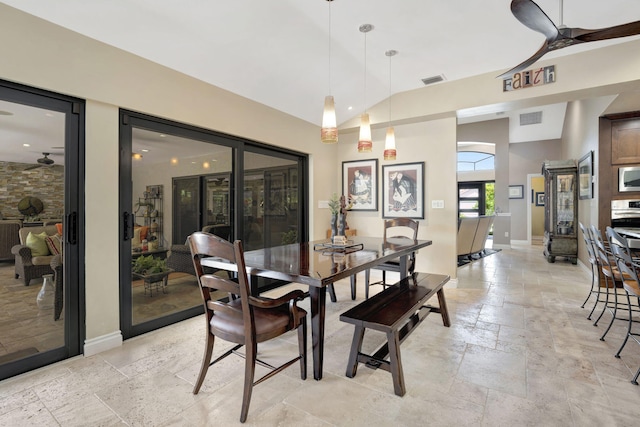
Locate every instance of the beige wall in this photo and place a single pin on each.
(43, 55)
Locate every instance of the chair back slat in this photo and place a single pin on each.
(397, 223)
(205, 245)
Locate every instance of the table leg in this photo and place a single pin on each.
(404, 266)
(318, 297)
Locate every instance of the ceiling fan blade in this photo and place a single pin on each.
(530, 14)
(624, 30)
(523, 65)
(32, 167)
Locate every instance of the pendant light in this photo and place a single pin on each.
(329, 131)
(390, 141)
(364, 141)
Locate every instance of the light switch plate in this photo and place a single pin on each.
(437, 204)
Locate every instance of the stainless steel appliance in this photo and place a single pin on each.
(629, 179)
(625, 219)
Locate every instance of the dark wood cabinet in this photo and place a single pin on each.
(560, 210)
(625, 142)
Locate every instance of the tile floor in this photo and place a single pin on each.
(520, 352)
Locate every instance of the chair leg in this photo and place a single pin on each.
(595, 304)
(249, 374)
(593, 281)
(206, 360)
(353, 287)
(367, 278)
(606, 301)
(635, 378)
(628, 328)
(613, 314)
(332, 293)
(302, 347)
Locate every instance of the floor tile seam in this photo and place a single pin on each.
(307, 413)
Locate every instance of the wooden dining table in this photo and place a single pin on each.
(318, 264)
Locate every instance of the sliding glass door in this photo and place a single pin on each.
(177, 179)
(41, 146)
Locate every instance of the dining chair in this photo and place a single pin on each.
(629, 268)
(242, 318)
(406, 227)
(594, 261)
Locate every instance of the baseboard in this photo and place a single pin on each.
(520, 242)
(103, 343)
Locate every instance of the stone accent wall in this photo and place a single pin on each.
(45, 183)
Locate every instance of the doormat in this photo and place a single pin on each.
(464, 260)
(20, 354)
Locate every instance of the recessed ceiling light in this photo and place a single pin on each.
(144, 150)
(350, 108)
(26, 145)
(5, 113)
(48, 114)
(162, 135)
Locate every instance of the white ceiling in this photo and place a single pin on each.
(278, 53)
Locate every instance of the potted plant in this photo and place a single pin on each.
(146, 266)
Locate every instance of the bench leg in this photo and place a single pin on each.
(443, 308)
(356, 346)
(396, 363)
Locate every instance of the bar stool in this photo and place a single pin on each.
(612, 279)
(628, 267)
(595, 268)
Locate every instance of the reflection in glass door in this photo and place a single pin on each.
(38, 292)
(207, 182)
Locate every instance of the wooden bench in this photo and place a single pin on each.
(396, 311)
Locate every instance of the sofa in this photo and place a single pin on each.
(472, 235)
(28, 266)
(9, 237)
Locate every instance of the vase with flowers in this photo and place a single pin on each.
(334, 207)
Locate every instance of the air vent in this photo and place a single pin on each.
(531, 118)
(432, 80)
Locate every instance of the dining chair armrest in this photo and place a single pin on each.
(276, 302)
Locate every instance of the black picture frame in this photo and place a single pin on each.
(540, 198)
(516, 191)
(360, 184)
(403, 190)
(585, 176)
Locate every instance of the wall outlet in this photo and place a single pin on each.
(323, 204)
(437, 204)
(506, 234)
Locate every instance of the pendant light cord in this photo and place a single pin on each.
(330, 1)
(365, 73)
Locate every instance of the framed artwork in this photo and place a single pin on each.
(540, 198)
(516, 191)
(360, 184)
(585, 174)
(154, 191)
(403, 190)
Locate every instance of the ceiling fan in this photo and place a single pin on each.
(43, 161)
(530, 14)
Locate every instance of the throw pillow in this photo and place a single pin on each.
(136, 242)
(37, 244)
(54, 243)
(59, 228)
